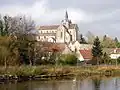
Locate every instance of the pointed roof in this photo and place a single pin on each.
(66, 15)
(87, 54)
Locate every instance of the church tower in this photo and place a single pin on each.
(66, 16)
(66, 20)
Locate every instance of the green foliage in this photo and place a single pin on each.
(8, 54)
(106, 59)
(108, 42)
(4, 26)
(69, 59)
(118, 60)
(97, 50)
(118, 44)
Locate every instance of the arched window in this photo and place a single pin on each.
(61, 34)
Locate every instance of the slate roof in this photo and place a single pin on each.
(47, 34)
(50, 27)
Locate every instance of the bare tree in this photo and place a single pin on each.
(20, 25)
(90, 37)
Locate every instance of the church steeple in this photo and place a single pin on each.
(66, 20)
(66, 15)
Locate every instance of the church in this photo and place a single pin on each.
(65, 32)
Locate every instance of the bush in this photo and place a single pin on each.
(68, 59)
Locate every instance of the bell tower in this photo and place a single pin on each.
(66, 20)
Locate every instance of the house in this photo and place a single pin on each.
(76, 46)
(85, 55)
(114, 53)
(54, 47)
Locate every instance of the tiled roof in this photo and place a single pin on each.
(51, 47)
(50, 27)
(87, 54)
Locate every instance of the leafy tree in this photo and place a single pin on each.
(118, 60)
(117, 42)
(4, 26)
(68, 59)
(97, 50)
(108, 42)
(106, 58)
(118, 45)
(9, 54)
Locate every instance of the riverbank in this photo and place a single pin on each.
(55, 72)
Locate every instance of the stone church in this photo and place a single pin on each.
(66, 32)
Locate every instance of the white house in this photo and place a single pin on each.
(76, 46)
(114, 53)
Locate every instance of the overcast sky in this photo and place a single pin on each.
(98, 16)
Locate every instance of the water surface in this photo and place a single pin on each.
(85, 84)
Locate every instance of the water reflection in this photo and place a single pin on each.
(86, 84)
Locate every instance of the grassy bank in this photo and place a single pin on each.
(57, 71)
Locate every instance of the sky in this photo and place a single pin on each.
(97, 16)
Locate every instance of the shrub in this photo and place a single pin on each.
(68, 59)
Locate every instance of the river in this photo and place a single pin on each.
(80, 84)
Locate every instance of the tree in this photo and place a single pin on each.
(68, 59)
(106, 58)
(90, 37)
(4, 27)
(97, 50)
(108, 42)
(82, 40)
(9, 54)
(116, 40)
(104, 37)
(21, 25)
(15, 43)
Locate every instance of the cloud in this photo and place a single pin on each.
(42, 13)
(98, 17)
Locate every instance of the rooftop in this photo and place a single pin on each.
(52, 27)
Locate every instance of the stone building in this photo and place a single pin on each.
(64, 33)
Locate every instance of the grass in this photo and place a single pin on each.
(80, 71)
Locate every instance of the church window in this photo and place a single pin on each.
(61, 34)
